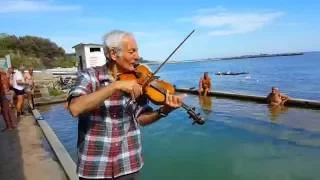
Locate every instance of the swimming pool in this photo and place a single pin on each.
(240, 140)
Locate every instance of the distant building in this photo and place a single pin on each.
(89, 55)
(5, 62)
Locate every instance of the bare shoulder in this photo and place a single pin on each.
(269, 95)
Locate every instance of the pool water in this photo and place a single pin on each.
(240, 140)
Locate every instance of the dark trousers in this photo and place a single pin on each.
(133, 176)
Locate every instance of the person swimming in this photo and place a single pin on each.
(275, 98)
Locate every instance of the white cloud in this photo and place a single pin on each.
(211, 10)
(140, 33)
(227, 23)
(92, 20)
(24, 6)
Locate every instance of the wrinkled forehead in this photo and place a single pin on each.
(275, 89)
(129, 42)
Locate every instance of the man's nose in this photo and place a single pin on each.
(137, 57)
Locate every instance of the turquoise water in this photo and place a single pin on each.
(242, 143)
(240, 140)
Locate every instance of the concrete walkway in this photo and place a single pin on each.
(25, 154)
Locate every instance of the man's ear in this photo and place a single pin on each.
(113, 54)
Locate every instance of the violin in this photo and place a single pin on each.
(156, 89)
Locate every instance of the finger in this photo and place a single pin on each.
(170, 99)
(174, 100)
(138, 91)
(132, 95)
(181, 97)
(135, 91)
(179, 101)
(140, 88)
(167, 97)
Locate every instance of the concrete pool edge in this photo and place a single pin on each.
(293, 102)
(66, 162)
(43, 102)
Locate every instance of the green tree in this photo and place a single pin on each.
(34, 51)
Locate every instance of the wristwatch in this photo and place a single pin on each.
(161, 113)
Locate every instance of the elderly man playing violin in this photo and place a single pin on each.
(111, 112)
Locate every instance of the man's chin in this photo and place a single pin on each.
(132, 68)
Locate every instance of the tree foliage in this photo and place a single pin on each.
(34, 51)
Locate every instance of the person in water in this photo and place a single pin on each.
(204, 84)
(276, 111)
(275, 98)
(109, 137)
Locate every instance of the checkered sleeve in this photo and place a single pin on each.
(143, 107)
(82, 86)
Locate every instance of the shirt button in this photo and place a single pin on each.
(114, 116)
(117, 144)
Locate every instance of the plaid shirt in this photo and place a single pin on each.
(109, 140)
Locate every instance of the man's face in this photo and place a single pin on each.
(129, 55)
(275, 90)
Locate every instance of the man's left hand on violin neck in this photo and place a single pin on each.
(172, 102)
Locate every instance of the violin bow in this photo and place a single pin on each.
(160, 66)
(189, 110)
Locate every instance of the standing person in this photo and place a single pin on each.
(10, 73)
(29, 89)
(4, 102)
(204, 84)
(111, 113)
(11, 94)
(18, 87)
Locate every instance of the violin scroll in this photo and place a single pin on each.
(192, 114)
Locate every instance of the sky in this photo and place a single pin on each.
(222, 28)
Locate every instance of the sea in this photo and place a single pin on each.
(240, 140)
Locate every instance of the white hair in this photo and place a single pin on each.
(114, 40)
